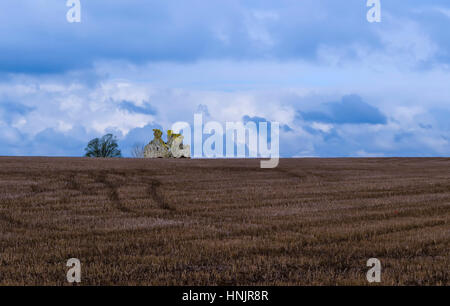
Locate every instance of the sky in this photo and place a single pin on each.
(338, 85)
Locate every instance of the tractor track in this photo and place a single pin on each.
(113, 191)
(152, 190)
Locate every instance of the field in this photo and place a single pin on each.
(224, 222)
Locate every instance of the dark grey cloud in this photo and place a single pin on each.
(38, 41)
(144, 31)
(147, 109)
(351, 110)
(257, 120)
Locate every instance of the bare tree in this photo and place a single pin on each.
(103, 147)
(137, 150)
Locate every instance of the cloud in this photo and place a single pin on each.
(48, 142)
(15, 108)
(54, 143)
(441, 118)
(351, 110)
(257, 120)
(74, 114)
(10, 111)
(146, 109)
(170, 31)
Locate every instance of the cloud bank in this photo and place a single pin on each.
(338, 85)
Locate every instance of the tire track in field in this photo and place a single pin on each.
(113, 192)
(72, 182)
(153, 191)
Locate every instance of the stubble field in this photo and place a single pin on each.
(224, 222)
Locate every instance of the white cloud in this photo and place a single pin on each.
(443, 10)
(230, 90)
(322, 126)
